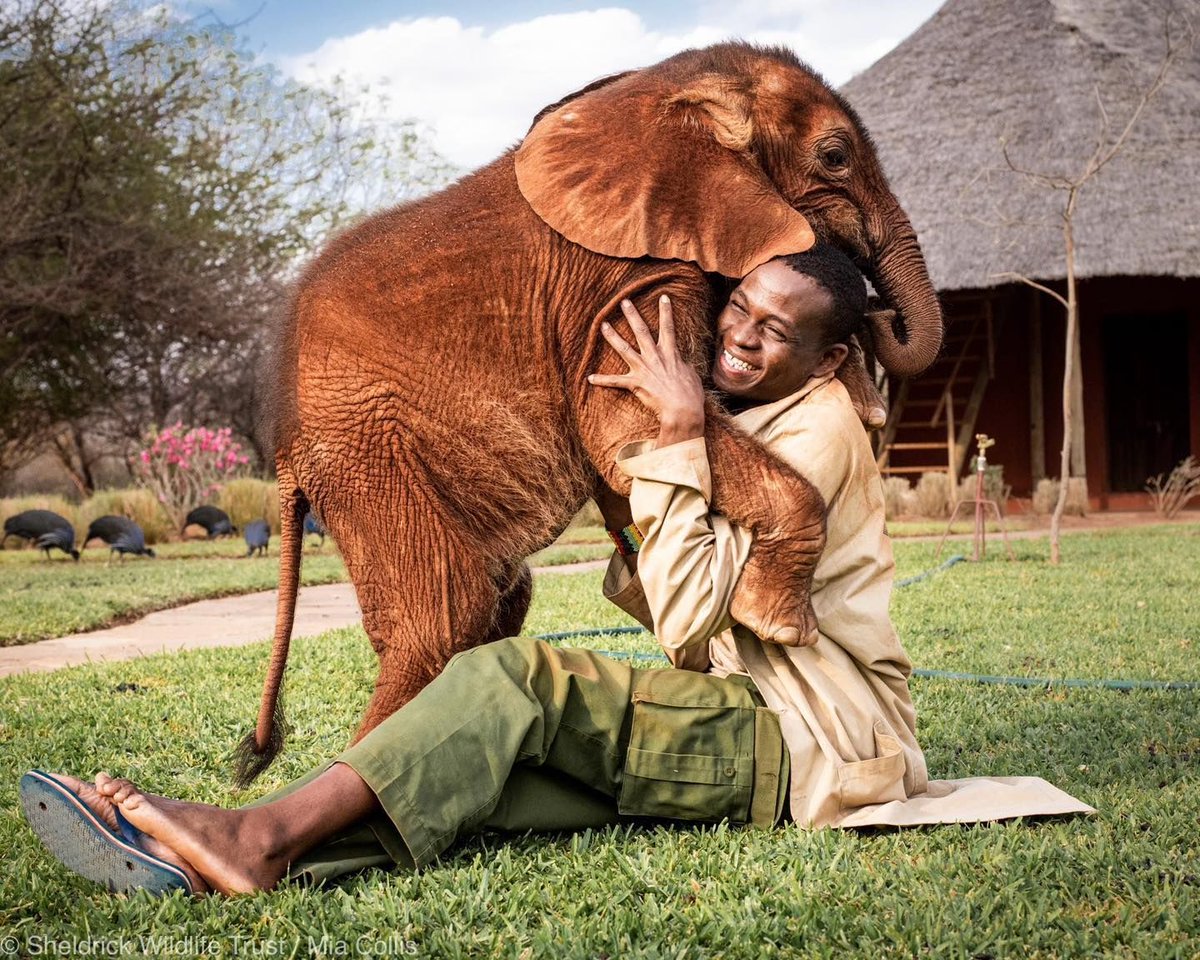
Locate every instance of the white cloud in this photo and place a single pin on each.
(478, 89)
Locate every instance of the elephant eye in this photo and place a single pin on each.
(834, 157)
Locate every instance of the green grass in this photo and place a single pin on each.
(575, 545)
(935, 528)
(1124, 883)
(1121, 604)
(40, 600)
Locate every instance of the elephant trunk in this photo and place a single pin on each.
(907, 341)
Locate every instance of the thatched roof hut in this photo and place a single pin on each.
(1045, 80)
(1033, 74)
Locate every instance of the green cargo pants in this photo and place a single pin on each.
(519, 735)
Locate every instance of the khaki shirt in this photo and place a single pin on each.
(844, 705)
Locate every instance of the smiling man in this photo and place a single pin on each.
(784, 325)
(843, 703)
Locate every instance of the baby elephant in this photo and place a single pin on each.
(258, 535)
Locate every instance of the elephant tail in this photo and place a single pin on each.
(261, 746)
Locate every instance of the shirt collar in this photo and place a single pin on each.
(755, 418)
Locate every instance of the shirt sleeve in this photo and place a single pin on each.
(816, 446)
(689, 561)
(624, 588)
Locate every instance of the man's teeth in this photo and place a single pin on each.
(736, 363)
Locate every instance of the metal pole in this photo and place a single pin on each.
(980, 521)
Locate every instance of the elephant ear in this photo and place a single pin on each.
(642, 167)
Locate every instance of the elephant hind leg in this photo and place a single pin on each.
(409, 658)
(516, 593)
(428, 597)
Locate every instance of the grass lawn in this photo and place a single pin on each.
(1123, 883)
(935, 528)
(40, 600)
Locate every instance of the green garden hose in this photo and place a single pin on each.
(1044, 682)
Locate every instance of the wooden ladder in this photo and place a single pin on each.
(931, 422)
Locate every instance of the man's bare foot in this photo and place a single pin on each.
(228, 848)
(105, 809)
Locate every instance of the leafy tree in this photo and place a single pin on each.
(160, 187)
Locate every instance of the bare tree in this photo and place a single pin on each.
(1109, 144)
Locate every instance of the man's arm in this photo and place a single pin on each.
(690, 560)
(670, 480)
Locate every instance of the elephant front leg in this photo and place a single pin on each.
(787, 517)
(753, 489)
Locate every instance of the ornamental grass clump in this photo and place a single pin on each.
(184, 468)
(1171, 492)
(249, 498)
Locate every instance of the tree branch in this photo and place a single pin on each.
(1021, 278)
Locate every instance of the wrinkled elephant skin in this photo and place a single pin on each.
(433, 403)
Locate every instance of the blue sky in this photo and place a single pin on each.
(474, 72)
(289, 27)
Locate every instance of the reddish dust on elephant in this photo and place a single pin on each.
(433, 404)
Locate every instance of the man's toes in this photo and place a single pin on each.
(92, 798)
(115, 788)
(129, 798)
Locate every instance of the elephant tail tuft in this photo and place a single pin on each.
(250, 758)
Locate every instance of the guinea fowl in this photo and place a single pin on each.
(47, 529)
(214, 520)
(121, 534)
(258, 535)
(314, 526)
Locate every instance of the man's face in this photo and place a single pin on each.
(770, 336)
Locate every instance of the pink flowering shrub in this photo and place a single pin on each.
(184, 468)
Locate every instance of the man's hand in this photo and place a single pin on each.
(658, 376)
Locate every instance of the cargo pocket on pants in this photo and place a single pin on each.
(689, 762)
(877, 780)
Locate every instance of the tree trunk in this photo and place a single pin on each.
(1078, 453)
(1069, 374)
(1037, 402)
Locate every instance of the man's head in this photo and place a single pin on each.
(788, 320)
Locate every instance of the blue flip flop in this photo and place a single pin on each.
(84, 843)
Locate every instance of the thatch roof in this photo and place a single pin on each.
(1029, 71)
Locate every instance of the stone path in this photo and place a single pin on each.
(224, 622)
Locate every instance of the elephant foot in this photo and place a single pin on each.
(777, 609)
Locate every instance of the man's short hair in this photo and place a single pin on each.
(836, 272)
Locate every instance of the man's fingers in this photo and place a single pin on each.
(619, 343)
(666, 326)
(621, 381)
(645, 338)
